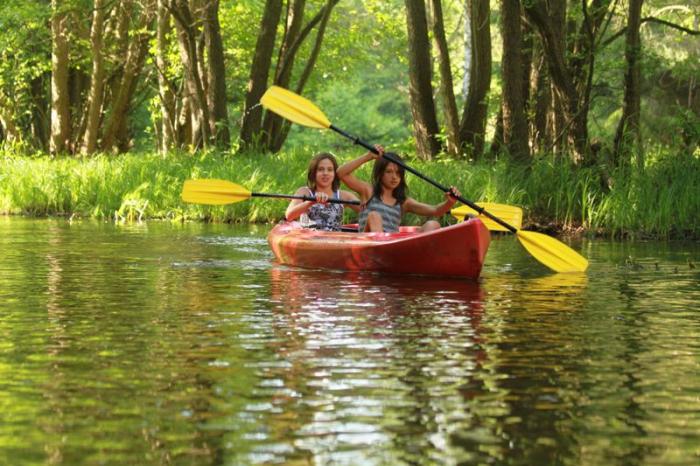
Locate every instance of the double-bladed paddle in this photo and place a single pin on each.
(513, 215)
(218, 192)
(549, 251)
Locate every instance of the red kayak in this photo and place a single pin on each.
(455, 251)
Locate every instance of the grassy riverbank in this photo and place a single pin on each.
(661, 202)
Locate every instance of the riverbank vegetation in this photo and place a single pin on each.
(661, 202)
(586, 114)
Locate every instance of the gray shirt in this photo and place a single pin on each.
(391, 215)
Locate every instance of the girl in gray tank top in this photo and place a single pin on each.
(385, 200)
(390, 214)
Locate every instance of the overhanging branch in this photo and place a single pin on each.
(652, 19)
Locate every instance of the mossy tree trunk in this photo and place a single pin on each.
(514, 120)
(60, 99)
(628, 136)
(251, 126)
(425, 126)
(473, 123)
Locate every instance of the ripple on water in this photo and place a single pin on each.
(213, 354)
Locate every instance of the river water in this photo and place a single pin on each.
(187, 344)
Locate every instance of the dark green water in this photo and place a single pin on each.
(159, 344)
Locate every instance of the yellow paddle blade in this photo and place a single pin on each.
(552, 252)
(294, 108)
(214, 192)
(508, 213)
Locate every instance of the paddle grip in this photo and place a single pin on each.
(332, 201)
(303, 198)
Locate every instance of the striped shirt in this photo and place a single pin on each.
(391, 215)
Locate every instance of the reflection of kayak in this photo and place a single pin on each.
(458, 250)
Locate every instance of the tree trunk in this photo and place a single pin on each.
(216, 74)
(572, 78)
(165, 88)
(287, 52)
(115, 136)
(473, 124)
(540, 100)
(526, 65)
(60, 100)
(468, 47)
(40, 111)
(325, 13)
(259, 72)
(628, 136)
(497, 141)
(8, 128)
(185, 131)
(576, 122)
(190, 55)
(95, 94)
(272, 123)
(514, 119)
(425, 127)
(454, 143)
(557, 119)
(78, 87)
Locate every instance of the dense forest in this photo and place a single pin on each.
(601, 96)
(589, 79)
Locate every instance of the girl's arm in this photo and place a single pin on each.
(297, 206)
(345, 171)
(348, 196)
(427, 210)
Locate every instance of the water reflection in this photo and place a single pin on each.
(564, 292)
(371, 364)
(186, 344)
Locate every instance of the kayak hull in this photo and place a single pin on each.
(454, 251)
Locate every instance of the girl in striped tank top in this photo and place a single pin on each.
(386, 199)
(323, 184)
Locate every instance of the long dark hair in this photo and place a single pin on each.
(401, 191)
(313, 166)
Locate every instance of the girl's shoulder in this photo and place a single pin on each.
(304, 190)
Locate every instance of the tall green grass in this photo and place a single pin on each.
(662, 201)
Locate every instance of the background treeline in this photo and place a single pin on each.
(586, 113)
(593, 81)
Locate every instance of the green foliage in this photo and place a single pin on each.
(360, 82)
(24, 48)
(239, 38)
(363, 108)
(670, 61)
(359, 79)
(661, 202)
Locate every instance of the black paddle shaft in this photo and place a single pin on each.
(303, 198)
(444, 189)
